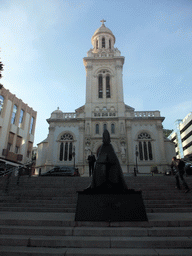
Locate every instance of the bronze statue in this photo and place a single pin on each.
(108, 175)
(108, 198)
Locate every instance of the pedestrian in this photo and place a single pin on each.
(91, 159)
(179, 168)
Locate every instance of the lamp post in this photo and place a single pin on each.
(74, 155)
(136, 154)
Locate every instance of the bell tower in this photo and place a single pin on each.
(104, 66)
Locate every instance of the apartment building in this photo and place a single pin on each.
(17, 128)
(182, 137)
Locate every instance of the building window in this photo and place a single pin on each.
(21, 118)
(66, 147)
(31, 125)
(18, 144)
(97, 129)
(10, 140)
(9, 146)
(108, 94)
(16, 150)
(103, 42)
(112, 128)
(100, 86)
(97, 44)
(104, 127)
(1, 103)
(109, 43)
(145, 147)
(14, 114)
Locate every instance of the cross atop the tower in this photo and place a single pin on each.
(103, 21)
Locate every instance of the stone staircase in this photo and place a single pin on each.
(37, 218)
(59, 194)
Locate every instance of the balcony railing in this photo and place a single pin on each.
(147, 114)
(68, 115)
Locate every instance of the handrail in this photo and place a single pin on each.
(8, 172)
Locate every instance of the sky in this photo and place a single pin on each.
(43, 43)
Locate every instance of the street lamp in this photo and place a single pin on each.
(74, 155)
(136, 154)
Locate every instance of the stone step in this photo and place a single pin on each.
(72, 210)
(42, 219)
(97, 231)
(38, 209)
(41, 251)
(47, 204)
(55, 200)
(50, 204)
(95, 242)
(59, 193)
(82, 181)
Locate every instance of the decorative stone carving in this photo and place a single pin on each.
(51, 128)
(118, 67)
(89, 67)
(81, 127)
(123, 149)
(87, 147)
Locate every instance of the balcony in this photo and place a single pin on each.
(12, 156)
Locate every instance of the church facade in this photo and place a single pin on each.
(137, 136)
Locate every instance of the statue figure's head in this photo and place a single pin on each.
(106, 137)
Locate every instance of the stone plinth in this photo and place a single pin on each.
(125, 206)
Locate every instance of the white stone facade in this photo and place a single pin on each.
(82, 130)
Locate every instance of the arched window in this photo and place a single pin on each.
(97, 44)
(103, 42)
(109, 43)
(108, 93)
(104, 127)
(1, 103)
(97, 129)
(100, 87)
(145, 147)
(66, 147)
(112, 128)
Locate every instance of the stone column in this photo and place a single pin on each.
(119, 69)
(130, 146)
(81, 146)
(104, 88)
(88, 67)
(161, 143)
(119, 88)
(89, 92)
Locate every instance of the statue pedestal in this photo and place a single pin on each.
(112, 207)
